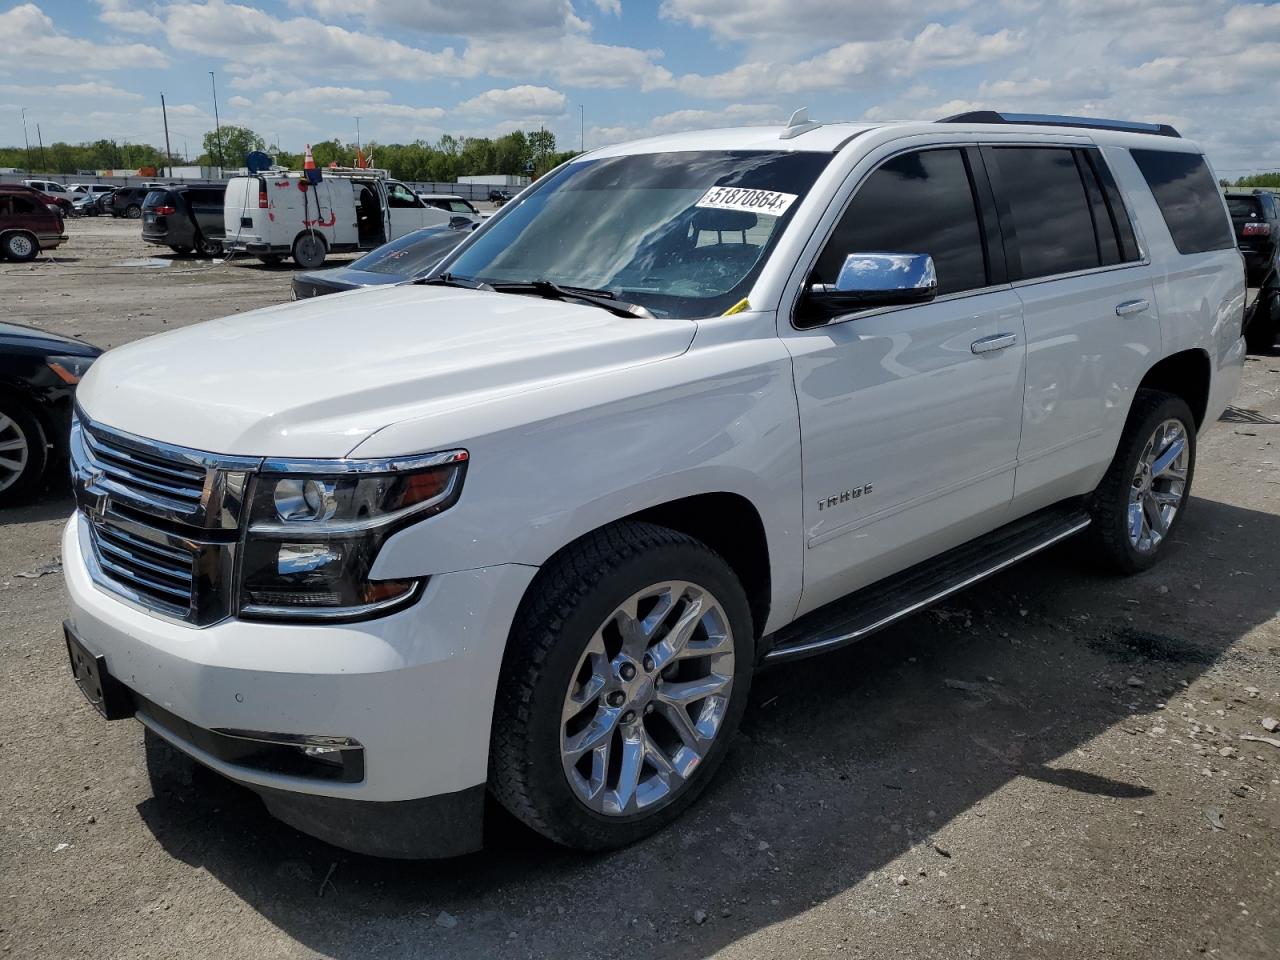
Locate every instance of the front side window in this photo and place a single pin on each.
(399, 196)
(1188, 199)
(1050, 210)
(682, 234)
(915, 203)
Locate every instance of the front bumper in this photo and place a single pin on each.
(415, 689)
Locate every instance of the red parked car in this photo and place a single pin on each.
(27, 226)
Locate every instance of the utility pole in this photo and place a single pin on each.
(582, 129)
(168, 154)
(358, 139)
(26, 142)
(217, 124)
(44, 164)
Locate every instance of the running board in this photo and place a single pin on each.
(877, 606)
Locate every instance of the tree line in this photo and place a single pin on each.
(519, 152)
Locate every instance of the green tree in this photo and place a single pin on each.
(231, 149)
(1260, 180)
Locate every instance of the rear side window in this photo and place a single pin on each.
(1051, 212)
(1244, 207)
(158, 198)
(1188, 199)
(916, 203)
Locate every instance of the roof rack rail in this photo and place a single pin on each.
(1051, 120)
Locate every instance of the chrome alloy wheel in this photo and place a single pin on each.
(1158, 485)
(14, 452)
(647, 699)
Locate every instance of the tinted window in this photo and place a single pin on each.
(1049, 209)
(158, 198)
(1244, 207)
(413, 253)
(1114, 219)
(1188, 199)
(916, 203)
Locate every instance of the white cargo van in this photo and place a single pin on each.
(275, 215)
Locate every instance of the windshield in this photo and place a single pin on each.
(412, 253)
(1244, 206)
(650, 229)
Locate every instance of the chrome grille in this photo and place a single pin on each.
(160, 575)
(146, 474)
(161, 523)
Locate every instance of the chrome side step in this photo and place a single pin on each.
(881, 604)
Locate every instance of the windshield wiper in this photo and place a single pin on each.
(453, 280)
(554, 291)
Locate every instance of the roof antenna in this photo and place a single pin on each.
(798, 124)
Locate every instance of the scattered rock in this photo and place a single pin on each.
(1134, 682)
(1215, 818)
(941, 849)
(1162, 589)
(53, 566)
(699, 917)
(1271, 740)
(1227, 751)
(1251, 691)
(762, 846)
(901, 880)
(1270, 724)
(446, 920)
(62, 846)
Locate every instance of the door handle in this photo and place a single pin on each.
(999, 341)
(1130, 307)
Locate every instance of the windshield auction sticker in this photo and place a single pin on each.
(748, 201)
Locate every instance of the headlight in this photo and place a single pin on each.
(70, 369)
(315, 529)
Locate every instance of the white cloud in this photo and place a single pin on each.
(33, 45)
(523, 100)
(78, 92)
(449, 18)
(613, 7)
(123, 15)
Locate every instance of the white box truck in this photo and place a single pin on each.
(274, 215)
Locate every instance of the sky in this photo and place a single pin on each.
(602, 71)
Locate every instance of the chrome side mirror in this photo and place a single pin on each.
(876, 280)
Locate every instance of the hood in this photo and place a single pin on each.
(16, 336)
(315, 378)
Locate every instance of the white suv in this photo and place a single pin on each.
(687, 407)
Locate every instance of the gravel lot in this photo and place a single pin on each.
(1049, 766)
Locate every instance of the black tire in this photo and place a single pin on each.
(1109, 504)
(133, 211)
(18, 422)
(206, 247)
(271, 259)
(1260, 334)
(180, 249)
(309, 250)
(572, 596)
(19, 246)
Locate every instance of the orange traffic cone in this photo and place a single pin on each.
(309, 167)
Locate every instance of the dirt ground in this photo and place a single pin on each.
(1050, 766)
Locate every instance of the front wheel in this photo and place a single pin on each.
(23, 454)
(208, 247)
(1141, 498)
(626, 674)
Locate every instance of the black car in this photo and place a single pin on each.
(185, 218)
(499, 197)
(410, 256)
(1256, 218)
(127, 202)
(38, 376)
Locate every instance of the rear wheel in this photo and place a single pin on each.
(23, 454)
(625, 677)
(1141, 498)
(133, 211)
(19, 246)
(207, 247)
(309, 251)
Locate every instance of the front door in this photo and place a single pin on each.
(405, 211)
(909, 421)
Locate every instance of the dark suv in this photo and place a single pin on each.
(127, 202)
(27, 225)
(185, 218)
(1256, 219)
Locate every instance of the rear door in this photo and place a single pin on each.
(1093, 328)
(206, 208)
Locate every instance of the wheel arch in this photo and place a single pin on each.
(1186, 374)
